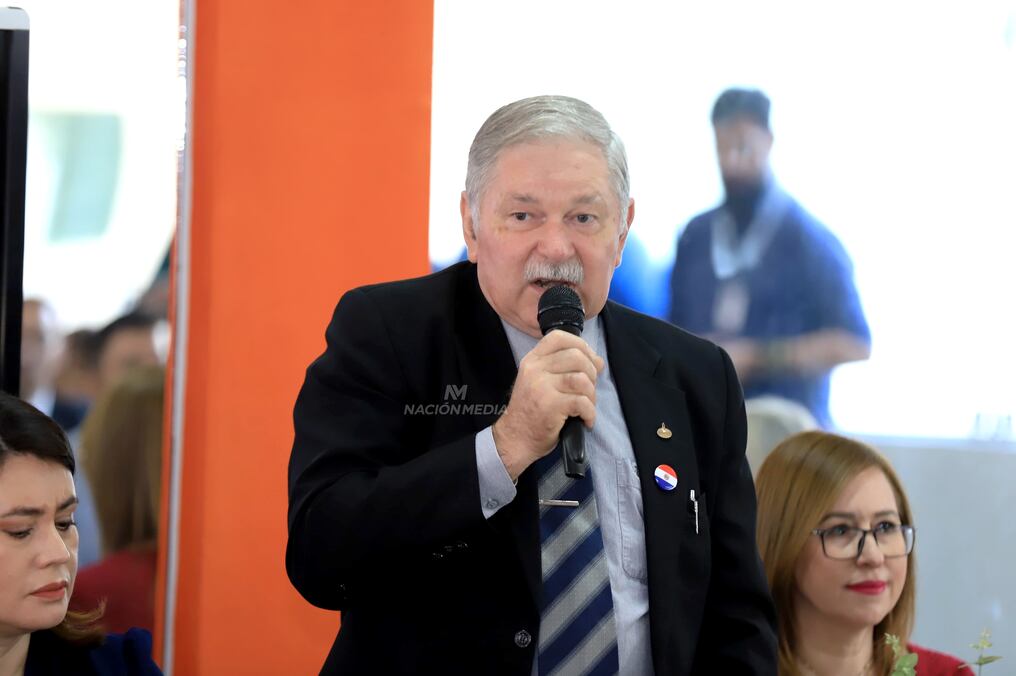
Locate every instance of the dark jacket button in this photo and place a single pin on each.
(523, 639)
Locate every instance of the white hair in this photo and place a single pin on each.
(542, 117)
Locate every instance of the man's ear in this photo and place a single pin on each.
(623, 236)
(468, 227)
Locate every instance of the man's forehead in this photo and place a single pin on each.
(582, 198)
(537, 150)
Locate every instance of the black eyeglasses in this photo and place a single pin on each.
(847, 542)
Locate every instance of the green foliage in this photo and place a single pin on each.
(983, 644)
(904, 662)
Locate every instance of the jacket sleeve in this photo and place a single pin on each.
(365, 487)
(738, 634)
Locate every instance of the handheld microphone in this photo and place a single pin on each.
(561, 308)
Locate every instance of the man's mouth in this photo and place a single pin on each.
(547, 283)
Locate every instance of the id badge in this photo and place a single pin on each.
(730, 311)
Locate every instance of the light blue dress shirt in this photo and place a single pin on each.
(618, 501)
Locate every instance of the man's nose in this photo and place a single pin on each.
(556, 240)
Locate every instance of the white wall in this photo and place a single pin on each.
(964, 501)
(117, 57)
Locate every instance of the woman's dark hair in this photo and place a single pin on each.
(25, 430)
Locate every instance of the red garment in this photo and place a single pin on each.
(126, 580)
(932, 663)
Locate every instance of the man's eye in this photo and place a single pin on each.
(584, 218)
(65, 525)
(520, 216)
(19, 534)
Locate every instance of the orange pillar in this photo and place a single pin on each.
(310, 142)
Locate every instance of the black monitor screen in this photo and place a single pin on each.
(13, 139)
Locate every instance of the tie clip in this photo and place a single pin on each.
(558, 503)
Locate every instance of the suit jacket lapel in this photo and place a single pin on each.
(488, 368)
(648, 400)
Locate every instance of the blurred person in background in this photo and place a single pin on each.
(638, 282)
(836, 535)
(762, 277)
(93, 361)
(154, 300)
(125, 343)
(76, 377)
(770, 421)
(121, 450)
(39, 338)
(38, 560)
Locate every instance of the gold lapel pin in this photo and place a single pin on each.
(663, 432)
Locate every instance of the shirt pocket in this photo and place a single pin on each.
(633, 529)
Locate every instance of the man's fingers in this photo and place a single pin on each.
(570, 361)
(559, 340)
(582, 407)
(556, 381)
(577, 383)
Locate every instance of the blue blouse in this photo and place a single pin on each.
(120, 654)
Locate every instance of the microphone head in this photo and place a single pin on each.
(560, 308)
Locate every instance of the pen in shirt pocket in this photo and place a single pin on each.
(694, 506)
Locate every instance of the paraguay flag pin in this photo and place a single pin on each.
(666, 477)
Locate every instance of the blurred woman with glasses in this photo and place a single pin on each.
(836, 536)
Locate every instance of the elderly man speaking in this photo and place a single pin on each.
(427, 500)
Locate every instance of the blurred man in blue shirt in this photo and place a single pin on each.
(762, 277)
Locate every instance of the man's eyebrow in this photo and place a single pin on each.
(22, 510)
(591, 198)
(525, 198)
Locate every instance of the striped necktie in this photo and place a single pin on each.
(577, 632)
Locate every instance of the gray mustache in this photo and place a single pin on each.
(569, 271)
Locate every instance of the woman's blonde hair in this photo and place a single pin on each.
(797, 485)
(121, 443)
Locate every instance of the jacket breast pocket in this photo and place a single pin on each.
(633, 530)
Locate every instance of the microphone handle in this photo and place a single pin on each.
(573, 448)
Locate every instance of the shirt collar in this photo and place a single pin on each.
(521, 342)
